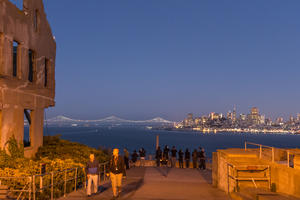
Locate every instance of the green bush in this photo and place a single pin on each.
(56, 148)
(56, 154)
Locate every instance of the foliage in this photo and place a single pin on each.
(56, 148)
(56, 154)
(15, 154)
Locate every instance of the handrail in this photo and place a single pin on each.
(52, 182)
(236, 178)
(255, 144)
(287, 151)
(23, 190)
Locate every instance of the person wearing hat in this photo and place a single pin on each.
(116, 172)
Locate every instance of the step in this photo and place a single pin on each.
(3, 187)
(238, 196)
(273, 198)
(3, 196)
(259, 194)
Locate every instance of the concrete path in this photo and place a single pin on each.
(163, 183)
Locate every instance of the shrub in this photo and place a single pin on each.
(56, 154)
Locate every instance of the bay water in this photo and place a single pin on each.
(134, 138)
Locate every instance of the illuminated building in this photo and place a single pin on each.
(234, 114)
(298, 117)
(262, 119)
(197, 121)
(255, 117)
(279, 120)
(243, 117)
(27, 72)
(230, 115)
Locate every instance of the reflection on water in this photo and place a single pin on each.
(135, 138)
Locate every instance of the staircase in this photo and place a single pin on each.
(3, 192)
(259, 194)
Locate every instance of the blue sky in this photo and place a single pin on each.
(141, 59)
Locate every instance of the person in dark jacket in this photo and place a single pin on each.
(202, 158)
(126, 158)
(142, 157)
(173, 157)
(187, 157)
(134, 158)
(180, 158)
(195, 158)
(158, 156)
(92, 171)
(166, 155)
(116, 172)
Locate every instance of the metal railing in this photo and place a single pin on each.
(16, 187)
(262, 150)
(269, 153)
(233, 174)
(44, 186)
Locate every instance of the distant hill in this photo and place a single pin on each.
(112, 120)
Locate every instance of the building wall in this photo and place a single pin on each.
(17, 92)
(286, 180)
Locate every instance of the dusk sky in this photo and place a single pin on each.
(142, 59)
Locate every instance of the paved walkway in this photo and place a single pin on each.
(163, 183)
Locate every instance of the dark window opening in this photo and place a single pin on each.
(36, 20)
(15, 58)
(27, 124)
(31, 61)
(18, 3)
(46, 73)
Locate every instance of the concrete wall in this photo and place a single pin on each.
(17, 92)
(284, 179)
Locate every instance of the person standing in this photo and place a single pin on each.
(187, 157)
(116, 172)
(158, 156)
(134, 158)
(202, 158)
(142, 157)
(173, 157)
(126, 158)
(195, 158)
(92, 171)
(165, 159)
(166, 153)
(180, 158)
(199, 152)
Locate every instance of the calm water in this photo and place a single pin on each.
(135, 138)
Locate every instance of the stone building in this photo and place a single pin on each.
(27, 72)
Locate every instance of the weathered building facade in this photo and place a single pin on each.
(27, 71)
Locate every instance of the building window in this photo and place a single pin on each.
(36, 20)
(46, 72)
(31, 65)
(15, 58)
(27, 127)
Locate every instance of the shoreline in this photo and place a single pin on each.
(215, 131)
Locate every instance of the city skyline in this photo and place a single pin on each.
(233, 111)
(140, 60)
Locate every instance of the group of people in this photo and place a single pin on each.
(135, 155)
(116, 171)
(167, 155)
(118, 165)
